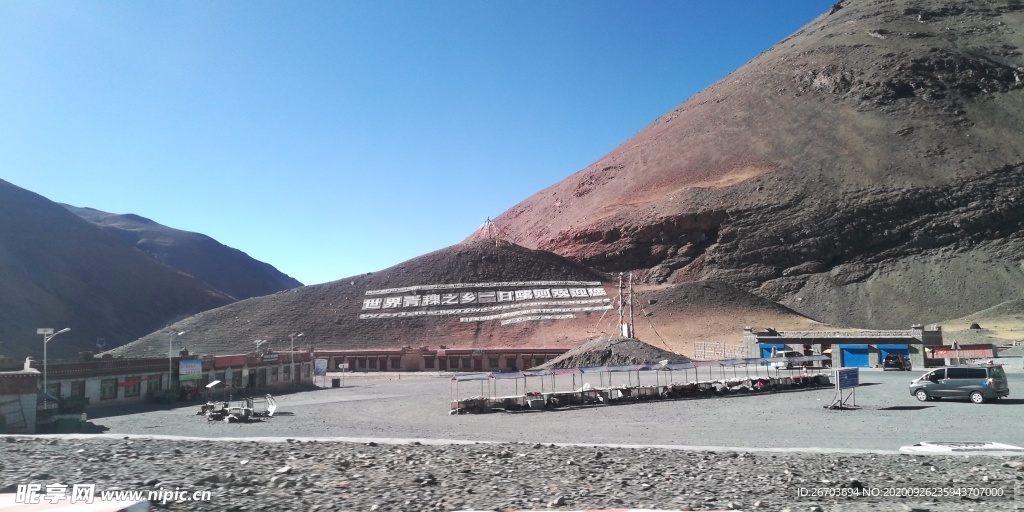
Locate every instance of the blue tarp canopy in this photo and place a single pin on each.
(507, 375)
(471, 376)
(732, 362)
(625, 368)
(680, 366)
(536, 373)
(564, 371)
(702, 364)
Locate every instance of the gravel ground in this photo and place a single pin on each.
(782, 449)
(262, 475)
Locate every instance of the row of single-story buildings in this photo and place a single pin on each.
(440, 359)
(865, 348)
(105, 381)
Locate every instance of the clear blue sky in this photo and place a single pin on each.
(333, 138)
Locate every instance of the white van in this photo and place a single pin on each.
(789, 355)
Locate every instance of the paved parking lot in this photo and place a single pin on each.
(416, 407)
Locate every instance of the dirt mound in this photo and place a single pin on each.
(612, 351)
(852, 167)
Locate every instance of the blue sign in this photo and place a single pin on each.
(847, 378)
(320, 367)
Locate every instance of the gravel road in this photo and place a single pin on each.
(775, 452)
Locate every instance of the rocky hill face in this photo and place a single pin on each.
(224, 268)
(867, 171)
(60, 271)
(447, 297)
(481, 294)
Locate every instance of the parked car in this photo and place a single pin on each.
(788, 354)
(898, 362)
(979, 383)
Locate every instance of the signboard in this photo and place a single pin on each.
(190, 369)
(320, 367)
(270, 358)
(509, 302)
(225, 361)
(343, 366)
(847, 378)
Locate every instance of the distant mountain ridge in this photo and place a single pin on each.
(226, 269)
(59, 270)
(62, 271)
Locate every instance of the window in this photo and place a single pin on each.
(510, 362)
(428, 362)
(53, 388)
(362, 363)
(153, 383)
(396, 363)
(287, 375)
(492, 362)
(998, 373)
(956, 373)
(373, 363)
(273, 374)
(236, 378)
(78, 389)
(133, 388)
(305, 370)
(466, 363)
(108, 389)
(453, 363)
(977, 373)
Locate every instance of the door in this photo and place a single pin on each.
(937, 384)
(854, 356)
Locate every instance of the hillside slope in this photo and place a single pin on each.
(548, 302)
(866, 171)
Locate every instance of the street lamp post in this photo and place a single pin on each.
(291, 358)
(170, 362)
(48, 335)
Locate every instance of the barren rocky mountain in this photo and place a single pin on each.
(330, 314)
(867, 171)
(60, 271)
(548, 301)
(224, 268)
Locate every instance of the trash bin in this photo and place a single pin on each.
(335, 383)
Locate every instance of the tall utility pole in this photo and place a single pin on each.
(626, 326)
(170, 356)
(292, 357)
(48, 335)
